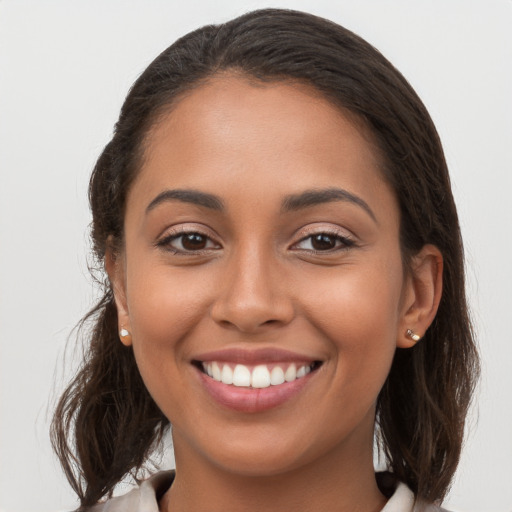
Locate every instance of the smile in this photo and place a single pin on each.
(259, 376)
(254, 381)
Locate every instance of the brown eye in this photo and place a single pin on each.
(188, 243)
(323, 242)
(193, 241)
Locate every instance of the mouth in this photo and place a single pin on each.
(252, 382)
(257, 376)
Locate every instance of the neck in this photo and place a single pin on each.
(342, 480)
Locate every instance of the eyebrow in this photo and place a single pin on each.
(316, 197)
(187, 196)
(291, 203)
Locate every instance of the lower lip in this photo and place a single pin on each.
(253, 400)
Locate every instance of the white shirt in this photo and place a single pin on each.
(145, 498)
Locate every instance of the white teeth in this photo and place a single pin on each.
(259, 377)
(276, 376)
(241, 376)
(216, 371)
(227, 375)
(291, 373)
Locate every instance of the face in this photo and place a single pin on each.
(261, 277)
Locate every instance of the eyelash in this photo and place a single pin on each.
(343, 242)
(165, 243)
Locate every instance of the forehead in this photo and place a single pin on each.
(225, 103)
(259, 135)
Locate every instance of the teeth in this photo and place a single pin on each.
(227, 375)
(259, 377)
(241, 376)
(290, 374)
(276, 376)
(216, 371)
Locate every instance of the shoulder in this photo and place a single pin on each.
(429, 507)
(401, 498)
(143, 498)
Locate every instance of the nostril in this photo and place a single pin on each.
(248, 321)
(252, 311)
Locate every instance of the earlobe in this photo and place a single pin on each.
(125, 336)
(114, 267)
(422, 296)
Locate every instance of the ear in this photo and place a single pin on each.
(114, 265)
(422, 294)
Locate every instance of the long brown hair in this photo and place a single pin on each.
(106, 423)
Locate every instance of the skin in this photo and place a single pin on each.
(256, 282)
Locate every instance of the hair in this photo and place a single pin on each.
(106, 424)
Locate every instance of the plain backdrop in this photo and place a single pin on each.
(65, 67)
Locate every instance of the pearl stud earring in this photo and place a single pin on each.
(414, 337)
(124, 333)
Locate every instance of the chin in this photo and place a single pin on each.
(259, 464)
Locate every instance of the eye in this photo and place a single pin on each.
(323, 242)
(188, 242)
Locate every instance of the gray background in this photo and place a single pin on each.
(65, 67)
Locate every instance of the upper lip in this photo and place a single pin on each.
(254, 356)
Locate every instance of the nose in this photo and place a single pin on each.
(252, 295)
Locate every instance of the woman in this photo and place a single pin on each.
(285, 280)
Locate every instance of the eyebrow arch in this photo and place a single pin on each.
(319, 196)
(187, 196)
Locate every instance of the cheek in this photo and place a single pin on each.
(164, 309)
(357, 311)
(164, 305)
(360, 301)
